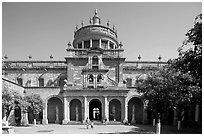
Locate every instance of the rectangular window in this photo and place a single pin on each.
(95, 43)
(111, 45)
(79, 45)
(104, 44)
(41, 82)
(86, 44)
(20, 81)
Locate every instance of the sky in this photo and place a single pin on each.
(148, 29)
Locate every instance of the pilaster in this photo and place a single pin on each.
(69, 74)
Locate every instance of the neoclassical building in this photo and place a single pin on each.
(93, 81)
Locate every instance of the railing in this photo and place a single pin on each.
(149, 65)
(33, 64)
(112, 54)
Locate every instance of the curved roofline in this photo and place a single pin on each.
(95, 26)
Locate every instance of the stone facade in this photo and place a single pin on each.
(94, 81)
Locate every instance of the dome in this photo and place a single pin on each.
(95, 34)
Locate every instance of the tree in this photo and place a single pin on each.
(36, 104)
(9, 100)
(168, 88)
(12, 99)
(190, 60)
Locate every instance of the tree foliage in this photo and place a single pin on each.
(179, 84)
(11, 99)
(190, 61)
(167, 88)
(36, 103)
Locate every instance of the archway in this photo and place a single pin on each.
(135, 110)
(95, 111)
(55, 110)
(75, 110)
(114, 110)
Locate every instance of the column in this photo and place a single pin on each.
(99, 43)
(57, 114)
(86, 112)
(133, 121)
(82, 44)
(77, 112)
(144, 114)
(175, 118)
(196, 113)
(126, 111)
(95, 81)
(90, 43)
(68, 110)
(45, 121)
(106, 107)
(65, 121)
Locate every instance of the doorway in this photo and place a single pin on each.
(95, 111)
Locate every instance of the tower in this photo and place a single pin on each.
(95, 48)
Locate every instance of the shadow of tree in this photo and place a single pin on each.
(137, 130)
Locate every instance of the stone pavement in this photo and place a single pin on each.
(98, 129)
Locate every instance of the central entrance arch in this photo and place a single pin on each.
(95, 111)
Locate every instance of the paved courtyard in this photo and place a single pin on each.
(79, 129)
(100, 129)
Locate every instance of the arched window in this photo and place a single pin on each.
(95, 62)
(90, 78)
(99, 78)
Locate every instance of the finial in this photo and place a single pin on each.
(90, 21)
(96, 12)
(121, 45)
(108, 23)
(30, 57)
(159, 57)
(139, 57)
(99, 21)
(82, 23)
(51, 57)
(5, 57)
(76, 27)
(113, 27)
(69, 44)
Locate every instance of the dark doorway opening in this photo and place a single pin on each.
(95, 111)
